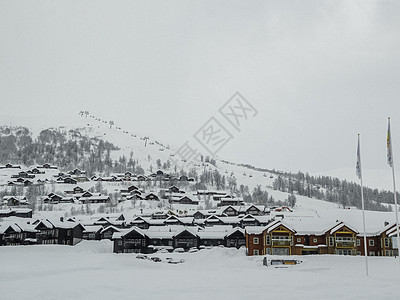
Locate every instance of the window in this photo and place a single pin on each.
(269, 251)
(56, 232)
(255, 252)
(120, 243)
(331, 241)
(387, 253)
(358, 252)
(358, 242)
(255, 241)
(315, 240)
(386, 242)
(371, 243)
(69, 232)
(268, 240)
(371, 253)
(299, 240)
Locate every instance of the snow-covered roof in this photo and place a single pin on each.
(340, 225)
(211, 234)
(255, 229)
(191, 230)
(93, 228)
(233, 230)
(160, 234)
(4, 226)
(122, 233)
(110, 227)
(274, 225)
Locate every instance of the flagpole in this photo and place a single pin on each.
(362, 204)
(397, 211)
(394, 187)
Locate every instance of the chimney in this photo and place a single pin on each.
(61, 219)
(386, 223)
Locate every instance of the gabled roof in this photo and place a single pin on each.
(13, 226)
(66, 225)
(151, 193)
(19, 198)
(93, 228)
(115, 229)
(189, 230)
(340, 225)
(46, 223)
(213, 218)
(272, 226)
(122, 233)
(388, 228)
(249, 217)
(139, 219)
(172, 217)
(258, 207)
(50, 224)
(233, 230)
(392, 230)
(227, 207)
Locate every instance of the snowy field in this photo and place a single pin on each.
(90, 271)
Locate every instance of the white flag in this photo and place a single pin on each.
(389, 146)
(358, 165)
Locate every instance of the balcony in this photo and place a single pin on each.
(12, 239)
(280, 242)
(133, 242)
(44, 235)
(344, 244)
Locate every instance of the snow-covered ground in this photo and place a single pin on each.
(90, 271)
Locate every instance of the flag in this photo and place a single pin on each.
(358, 165)
(389, 146)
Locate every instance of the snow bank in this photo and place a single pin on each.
(103, 246)
(86, 272)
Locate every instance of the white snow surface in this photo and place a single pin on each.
(90, 271)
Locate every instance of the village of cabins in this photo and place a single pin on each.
(232, 224)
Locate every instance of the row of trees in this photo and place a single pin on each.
(333, 190)
(66, 149)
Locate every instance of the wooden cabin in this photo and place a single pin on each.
(132, 240)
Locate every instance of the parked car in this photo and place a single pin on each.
(179, 250)
(156, 259)
(193, 250)
(141, 256)
(180, 261)
(163, 251)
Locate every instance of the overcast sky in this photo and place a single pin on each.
(318, 72)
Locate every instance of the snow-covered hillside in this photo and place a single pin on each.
(147, 150)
